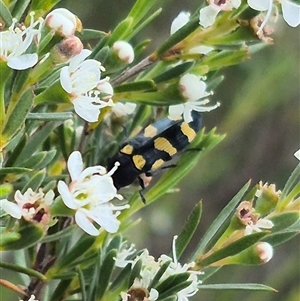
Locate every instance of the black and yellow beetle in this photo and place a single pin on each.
(151, 148)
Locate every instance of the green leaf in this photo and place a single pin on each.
(90, 34)
(16, 151)
(36, 140)
(19, 8)
(159, 274)
(209, 271)
(17, 117)
(284, 220)
(123, 29)
(170, 284)
(143, 24)
(42, 7)
(135, 272)
(188, 230)
(115, 243)
(106, 271)
(140, 9)
(291, 182)
(35, 181)
(29, 233)
(14, 170)
(174, 72)
(5, 14)
(57, 116)
(61, 288)
(59, 235)
(135, 86)
(23, 270)
(8, 237)
(232, 249)
(174, 289)
(217, 223)
(177, 37)
(39, 160)
(76, 252)
(121, 278)
(237, 286)
(82, 284)
(279, 238)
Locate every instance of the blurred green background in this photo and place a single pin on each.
(260, 114)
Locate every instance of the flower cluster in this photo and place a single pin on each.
(149, 269)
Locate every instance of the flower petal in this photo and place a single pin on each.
(22, 62)
(105, 218)
(86, 108)
(11, 208)
(179, 21)
(208, 15)
(84, 223)
(65, 79)
(260, 5)
(176, 110)
(291, 13)
(75, 165)
(66, 195)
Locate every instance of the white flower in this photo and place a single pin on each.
(15, 42)
(179, 21)
(32, 206)
(79, 79)
(256, 226)
(121, 260)
(192, 89)
(176, 268)
(124, 51)
(297, 154)
(290, 11)
(62, 21)
(123, 109)
(208, 14)
(89, 194)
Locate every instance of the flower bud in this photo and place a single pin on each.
(63, 22)
(267, 198)
(66, 49)
(257, 254)
(124, 51)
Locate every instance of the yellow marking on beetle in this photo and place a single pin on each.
(158, 163)
(163, 144)
(150, 131)
(139, 161)
(127, 149)
(188, 131)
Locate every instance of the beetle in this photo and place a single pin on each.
(158, 143)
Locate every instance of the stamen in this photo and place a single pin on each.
(267, 17)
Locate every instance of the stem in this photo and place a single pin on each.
(149, 60)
